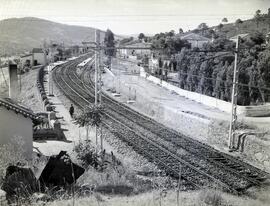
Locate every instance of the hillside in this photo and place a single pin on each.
(22, 34)
(228, 30)
(247, 26)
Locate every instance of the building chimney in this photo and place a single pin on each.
(13, 81)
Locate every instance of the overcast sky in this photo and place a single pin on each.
(134, 16)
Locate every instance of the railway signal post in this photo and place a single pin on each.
(231, 140)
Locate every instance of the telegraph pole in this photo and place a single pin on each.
(97, 50)
(234, 99)
(100, 96)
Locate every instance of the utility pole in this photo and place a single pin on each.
(232, 134)
(97, 50)
(100, 96)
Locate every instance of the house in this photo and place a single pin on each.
(26, 60)
(136, 49)
(16, 121)
(195, 40)
(39, 56)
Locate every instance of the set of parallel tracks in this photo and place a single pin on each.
(200, 165)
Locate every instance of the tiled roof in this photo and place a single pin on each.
(37, 50)
(26, 55)
(11, 105)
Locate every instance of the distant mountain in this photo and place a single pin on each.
(22, 34)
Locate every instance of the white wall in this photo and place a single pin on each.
(209, 101)
(16, 125)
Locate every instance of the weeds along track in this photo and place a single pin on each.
(200, 165)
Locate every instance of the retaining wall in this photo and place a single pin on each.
(252, 111)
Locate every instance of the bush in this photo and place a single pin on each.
(86, 153)
(11, 154)
(210, 197)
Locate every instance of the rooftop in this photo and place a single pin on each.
(37, 50)
(193, 36)
(26, 55)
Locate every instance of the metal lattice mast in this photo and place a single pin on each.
(234, 99)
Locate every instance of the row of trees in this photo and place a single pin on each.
(212, 73)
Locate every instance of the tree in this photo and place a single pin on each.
(258, 16)
(258, 38)
(181, 31)
(238, 22)
(109, 43)
(220, 26)
(224, 20)
(203, 26)
(141, 36)
(90, 117)
(171, 33)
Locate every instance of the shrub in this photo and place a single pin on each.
(11, 154)
(86, 153)
(210, 197)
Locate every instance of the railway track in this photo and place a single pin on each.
(200, 165)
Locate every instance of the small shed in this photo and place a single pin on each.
(16, 121)
(39, 57)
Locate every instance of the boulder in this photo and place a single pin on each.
(19, 182)
(60, 171)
